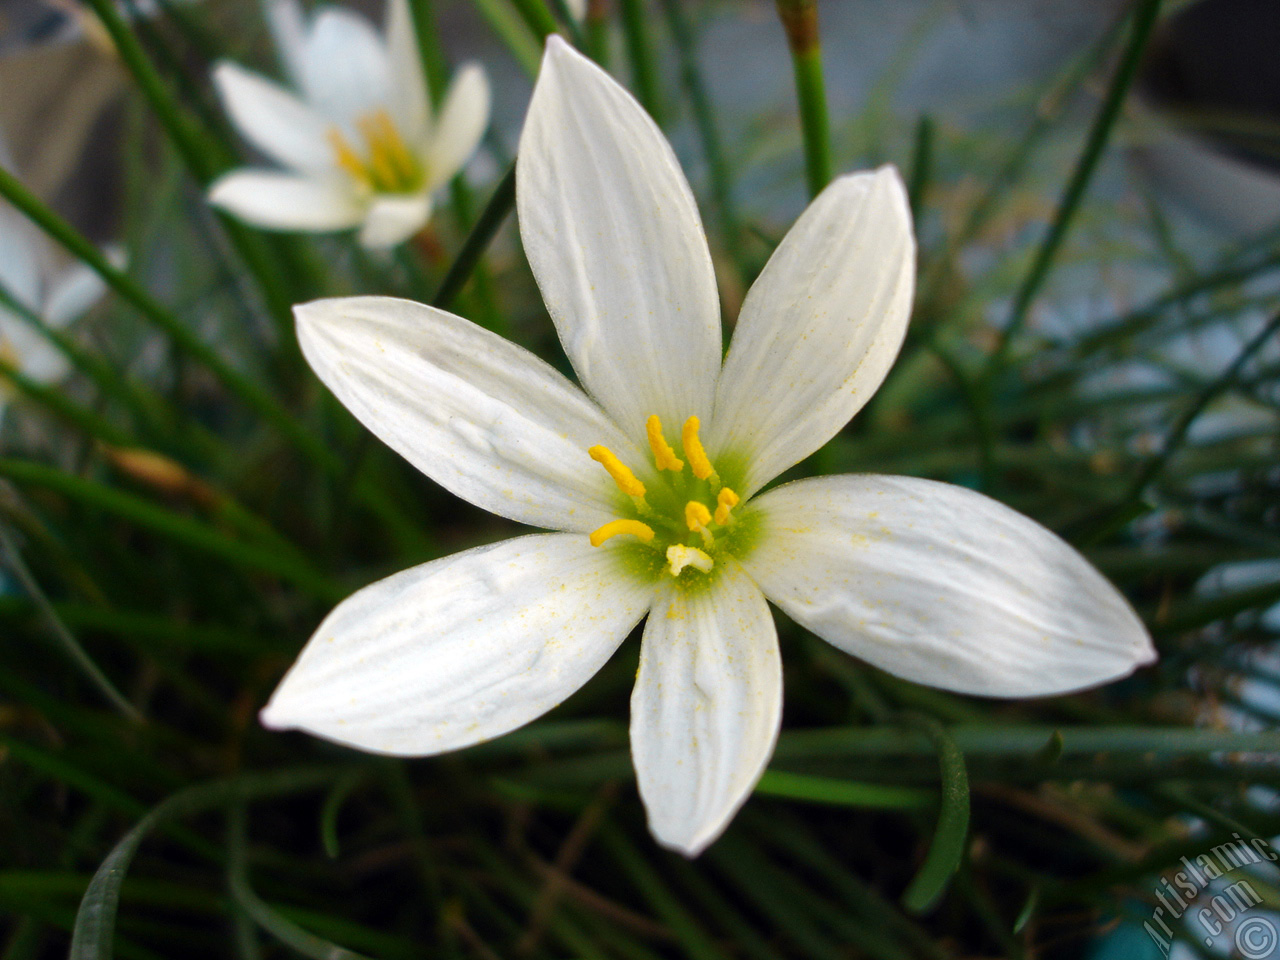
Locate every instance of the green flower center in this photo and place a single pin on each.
(385, 164)
(681, 525)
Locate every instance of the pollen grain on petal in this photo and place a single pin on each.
(621, 473)
(641, 531)
(698, 461)
(663, 455)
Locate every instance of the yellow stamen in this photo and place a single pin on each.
(348, 159)
(693, 450)
(385, 140)
(622, 476)
(726, 500)
(641, 531)
(696, 515)
(679, 556)
(663, 455)
(381, 159)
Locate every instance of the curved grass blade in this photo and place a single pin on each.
(948, 846)
(286, 931)
(92, 937)
(12, 558)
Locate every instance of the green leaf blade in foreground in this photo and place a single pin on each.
(93, 936)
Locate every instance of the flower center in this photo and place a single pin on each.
(687, 518)
(386, 164)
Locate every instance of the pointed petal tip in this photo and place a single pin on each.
(688, 846)
(273, 718)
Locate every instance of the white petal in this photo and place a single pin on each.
(460, 650)
(30, 351)
(72, 295)
(942, 586)
(613, 235)
(21, 266)
(288, 25)
(481, 416)
(463, 118)
(283, 201)
(393, 219)
(409, 104)
(820, 327)
(346, 69)
(273, 119)
(706, 708)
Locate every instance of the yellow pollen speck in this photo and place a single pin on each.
(679, 556)
(641, 531)
(696, 515)
(698, 461)
(663, 455)
(726, 500)
(622, 475)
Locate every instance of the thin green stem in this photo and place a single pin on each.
(800, 20)
(172, 525)
(141, 403)
(921, 164)
(644, 63)
(155, 313)
(513, 33)
(704, 119)
(60, 405)
(12, 558)
(537, 17)
(1178, 434)
(1144, 19)
(482, 234)
(567, 22)
(202, 155)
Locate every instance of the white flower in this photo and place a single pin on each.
(360, 147)
(651, 476)
(58, 297)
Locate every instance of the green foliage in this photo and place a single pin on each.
(152, 602)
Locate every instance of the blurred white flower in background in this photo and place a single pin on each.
(360, 145)
(928, 581)
(56, 296)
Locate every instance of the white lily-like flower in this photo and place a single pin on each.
(57, 296)
(651, 477)
(360, 147)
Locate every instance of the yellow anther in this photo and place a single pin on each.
(348, 159)
(679, 556)
(389, 165)
(622, 476)
(381, 154)
(663, 455)
(641, 531)
(726, 500)
(388, 154)
(693, 450)
(696, 515)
